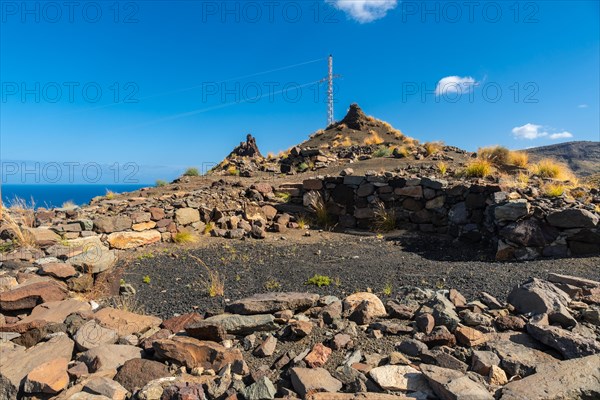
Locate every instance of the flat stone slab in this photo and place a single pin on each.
(309, 380)
(131, 240)
(28, 296)
(244, 324)
(399, 377)
(125, 322)
(452, 384)
(50, 312)
(268, 303)
(193, 353)
(572, 379)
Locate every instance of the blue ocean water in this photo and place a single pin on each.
(57, 194)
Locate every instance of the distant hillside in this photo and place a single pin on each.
(582, 157)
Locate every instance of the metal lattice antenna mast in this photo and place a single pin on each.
(330, 119)
(329, 79)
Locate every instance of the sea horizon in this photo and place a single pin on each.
(55, 195)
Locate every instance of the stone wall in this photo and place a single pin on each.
(517, 224)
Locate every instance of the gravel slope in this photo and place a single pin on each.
(354, 263)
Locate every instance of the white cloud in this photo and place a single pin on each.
(561, 135)
(364, 11)
(455, 84)
(533, 131)
(529, 131)
(582, 106)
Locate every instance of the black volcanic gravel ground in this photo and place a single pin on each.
(355, 263)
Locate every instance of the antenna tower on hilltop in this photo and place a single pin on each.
(329, 80)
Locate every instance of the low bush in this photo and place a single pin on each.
(233, 171)
(382, 152)
(160, 183)
(478, 169)
(191, 172)
(283, 196)
(319, 280)
(302, 167)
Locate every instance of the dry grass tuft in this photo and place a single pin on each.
(433, 147)
(215, 285)
(552, 169)
(401, 151)
(208, 228)
(478, 169)
(553, 190)
(185, 237)
(128, 303)
(442, 167)
(317, 203)
(373, 138)
(385, 219)
(518, 158)
(345, 142)
(497, 155)
(302, 222)
(16, 219)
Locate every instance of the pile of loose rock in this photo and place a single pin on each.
(88, 237)
(423, 344)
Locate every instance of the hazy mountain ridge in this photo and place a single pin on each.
(583, 157)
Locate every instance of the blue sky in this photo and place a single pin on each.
(183, 82)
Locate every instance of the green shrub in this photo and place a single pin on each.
(146, 279)
(382, 152)
(160, 183)
(283, 196)
(191, 172)
(302, 167)
(319, 280)
(272, 284)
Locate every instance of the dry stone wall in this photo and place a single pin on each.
(516, 225)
